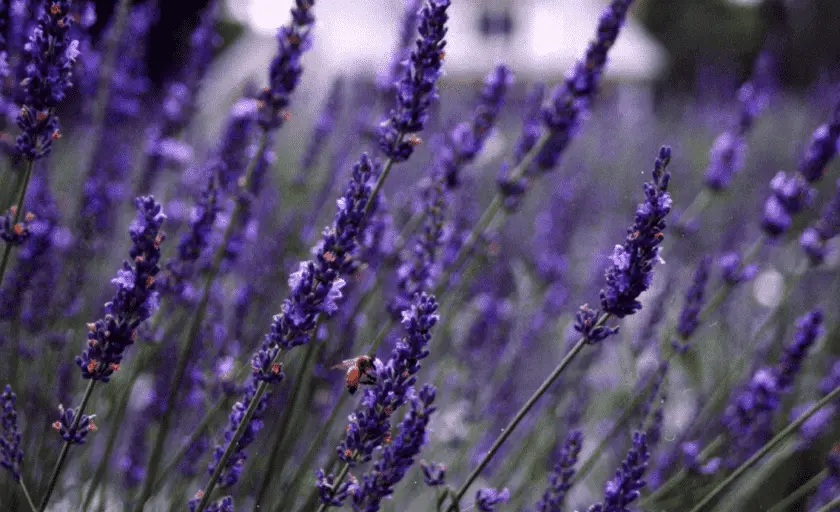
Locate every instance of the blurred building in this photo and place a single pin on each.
(538, 39)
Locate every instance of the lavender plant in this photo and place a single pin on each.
(187, 399)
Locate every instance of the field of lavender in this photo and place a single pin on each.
(419, 296)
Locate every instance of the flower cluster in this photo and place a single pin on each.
(398, 455)
(370, 424)
(417, 89)
(194, 242)
(486, 499)
(316, 286)
(822, 149)
(729, 151)
(233, 467)
(467, 138)
(50, 55)
(694, 300)
(11, 438)
(632, 269)
(816, 235)
(790, 194)
(285, 70)
(572, 98)
(734, 272)
(15, 232)
(748, 417)
(408, 27)
(224, 504)
(625, 488)
(434, 474)
(73, 434)
(560, 479)
(135, 300)
(590, 324)
(829, 488)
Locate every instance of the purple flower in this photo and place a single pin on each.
(572, 98)
(328, 492)
(822, 148)
(194, 242)
(49, 56)
(64, 426)
(487, 499)
(434, 474)
(370, 424)
(417, 89)
(808, 329)
(466, 139)
(418, 273)
(560, 479)
(224, 504)
(694, 300)
(135, 299)
(316, 285)
(632, 269)
(233, 468)
(728, 154)
(827, 227)
(15, 233)
(398, 456)
(733, 272)
(323, 129)
(625, 488)
(790, 194)
(285, 70)
(411, 15)
(11, 438)
(829, 488)
(587, 323)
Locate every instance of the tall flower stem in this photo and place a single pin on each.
(678, 478)
(273, 459)
(62, 457)
(520, 415)
(193, 331)
(800, 492)
(781, 436)
(7, 250)
(27, 496)
(231, 447)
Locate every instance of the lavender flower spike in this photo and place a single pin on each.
(487, 499)
(814, 237)
(11, 438)
(632, 269)
(50, 55)
(417, 89)
(790, 195)
(398, 456)
(285, 70)
(822, 149)
(808, 329)
(560, 480)
(135, 300)
(624, 489)
(694, 300)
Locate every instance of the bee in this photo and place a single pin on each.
(359, 371)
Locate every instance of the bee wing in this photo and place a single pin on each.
(347, 363)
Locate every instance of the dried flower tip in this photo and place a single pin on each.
(275, 368)
(13, 209)
(56, 425)
(329, 256)
(159, 240)
(92, 366)
(29, 217)
(387, 438)
(18, 228)
(55, 9)
(134, 335)
(414, 140)
(41, 116)
(114, 367)
(199, 494)
(293, 38)
(348, 453)
(286, 114)
(56, 135)
(139, 259)
(92, 427)
(442, 54)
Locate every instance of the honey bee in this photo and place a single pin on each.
(359, 371)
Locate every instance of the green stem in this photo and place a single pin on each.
(271, 469)
(831, 506)
(338, 480)
(680, 475)
(803, 490)
(7, 250)
(193, 331)
(62, 457)
(508, 430)
(231, 447)
(28, 497)
(781, 436)
(386, 170)
(122, 404)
